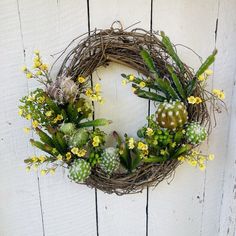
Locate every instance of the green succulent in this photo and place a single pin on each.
(195, 133)
(79, 138)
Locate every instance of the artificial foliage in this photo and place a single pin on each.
(62, 112)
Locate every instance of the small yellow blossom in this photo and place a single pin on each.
(131, 143)
(43, 172)
(44, 67)
(27, 168)
(41, 99)
(52, 171)
(29, 75)
(34, 159)
(149, 132)
(198, 100)
(124, 82)
(24, 68)
(49, 113)
(89, 92)
(208, 72)
(220, 94)
(39, 72)
(181, 158)
(201, 77)
(36, 52)
(42, 158)
(59, 157)
(191, 100)
(35, 123)
(81, 153)
(81, 79)
(211, 157)
(97, 87)
(37, 64)
(20, 112)
(142, 146)
(142, 84)
(26, 130)
(163, 152)
(134, 89)
(75, 150)
(131, 77)
(96, 141)
(68, 156)
(202, 167)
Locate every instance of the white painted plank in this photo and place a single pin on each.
(120, 215)
(68, 208)
(225, 69)
(176, 209)
(19, 197)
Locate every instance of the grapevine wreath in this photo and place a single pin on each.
(62, 112)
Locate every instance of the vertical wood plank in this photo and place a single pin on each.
(176, 209)
(225, 69)
(19, 197)
(68, 208)
(120, 215)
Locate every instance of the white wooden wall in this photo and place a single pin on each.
(195, 203)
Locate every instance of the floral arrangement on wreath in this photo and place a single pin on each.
(61, 114)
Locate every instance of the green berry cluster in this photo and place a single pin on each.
(195, 133)
(80, 170)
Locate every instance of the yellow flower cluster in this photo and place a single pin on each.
(57, 118)
(131, 143)
(196, 159)
(218, 93)
(78, 152)
(81, 79)
(95, 93)
(96, 141)
(205, 75)
(149, 132)
(35, 124)
(38, 159)
(194, 100)
(49, 113)
(143, 147)
(68, 156)
(46, 171)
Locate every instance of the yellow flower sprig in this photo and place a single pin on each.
(95, 93)
(218, 93)
(194, 100)
(205, 75)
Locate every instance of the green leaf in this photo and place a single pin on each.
(148, 61)
(42, 146)
(57, 144)
(177, 82)
(94, 123)
(153, 159)
(52, 105)
(178, 136)
(61, 141)
(44, 137)
(182, 150)
(170, 49)
(191, 86)
(206, 63)
(72, 112)
(149, 95)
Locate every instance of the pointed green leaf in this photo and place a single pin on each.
(148, 61)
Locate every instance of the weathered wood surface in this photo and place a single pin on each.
(194, 203)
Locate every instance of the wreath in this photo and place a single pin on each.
(62, 111)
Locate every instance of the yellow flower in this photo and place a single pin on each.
(201, 77)
(202, 167)
(59, 157)
(36, 52)
(27, 168)
(208, 72)
(41, 99)
(81, 153)
(142, 146)
(34, 159)
(44, 67)
(131, 143)
(142, 84)
(35, 123)
(211, 157)
(220, 94)
(181, 158)
(81, 79)
(198, 100)
(29, 75)
(20, 112)
(39, 72)
(133, 89)
(42, 158)
(28, 117)
(37, 64)
(75, 150)
(52, 171)
(43, 172)
(95, 144)
(193, 162)
(96, 141)
(149, 132)
(191, 100)
(68, 156)
(131, 78)
(124, 82)
(89, 92)
(24, 68)
(97, 88)
(26, 130)
(163, 152)
(49, 113)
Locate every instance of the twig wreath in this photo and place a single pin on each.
(62, 112)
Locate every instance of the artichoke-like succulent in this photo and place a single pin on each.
(68, 128)
(171, 115)
(195, 133)
(79, 138)
(62, 90)
(80, 170)
(109, 160)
